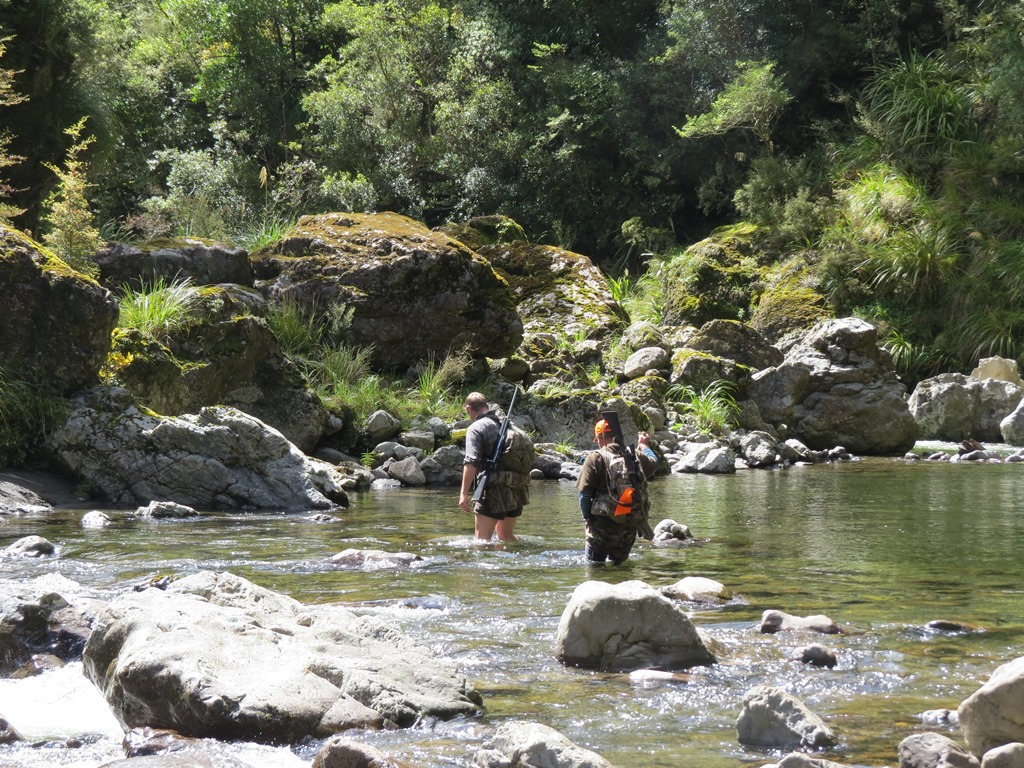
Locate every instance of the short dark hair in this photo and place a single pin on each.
(476, 400)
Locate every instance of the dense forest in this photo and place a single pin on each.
(873, 148)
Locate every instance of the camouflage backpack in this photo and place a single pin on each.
(622, 501)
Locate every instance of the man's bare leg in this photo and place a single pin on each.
(505, 528)
(485, 527)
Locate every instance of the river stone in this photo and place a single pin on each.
(340, 752)
(216, 656)
(697, 589)
(520, 744)
(994, 714)
(96, 519)
(1012, 427)
(29, 546)
(50, 614)
(705, 458)
(773, 621)
(219, 457)
(803, 760)
(407, 471)
(8, 733)
(773, 718)
(381, 425)
(627, 626)
(758, 449)
(412, 294)
(837, 387)
(55, 323)
(444, 466)
(1006, 756)
(933, 750)
(165, 509)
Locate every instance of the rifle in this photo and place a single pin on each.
(499, 448)
(636, 476)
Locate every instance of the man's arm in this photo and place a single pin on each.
(468, 476)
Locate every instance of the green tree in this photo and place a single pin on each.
(8, 97)
(70, 230)
(752, 101)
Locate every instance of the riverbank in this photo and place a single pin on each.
(54, 488)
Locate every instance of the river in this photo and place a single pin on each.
(879, 545)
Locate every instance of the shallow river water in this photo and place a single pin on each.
(881, 546)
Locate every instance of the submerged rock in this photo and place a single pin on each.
(522, 744)
(773, 718)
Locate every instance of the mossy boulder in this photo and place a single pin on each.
(413, 294)
(698, 370)
(644, 390)
(55, 323)
(203, 262)
(556, 290)
(790, 301)
(719, 277)
(736, 341)
(484, 230)
(223, 356)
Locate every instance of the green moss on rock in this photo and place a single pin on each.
(790, 302)
(715, 278)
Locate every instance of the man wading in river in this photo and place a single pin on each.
(614, 501)
(507, 489)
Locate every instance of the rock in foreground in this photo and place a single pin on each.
(217, 656)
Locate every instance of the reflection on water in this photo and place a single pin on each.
(880, 546)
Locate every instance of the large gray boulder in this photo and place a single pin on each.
(55, 323)
(218, 458)
(994, 714)
(520, 744)
(217, 656)
(412, 294)
(837, 387)
(627, 626)
(203, 262)
(952, 406)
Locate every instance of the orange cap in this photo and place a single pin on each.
(601, 427)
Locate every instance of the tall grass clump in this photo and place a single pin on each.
(437, 385)
(713, 410)
(297, 330)
(158, 308)
(27, 415)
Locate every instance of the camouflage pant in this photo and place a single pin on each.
(608, 540)
(505, 496)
